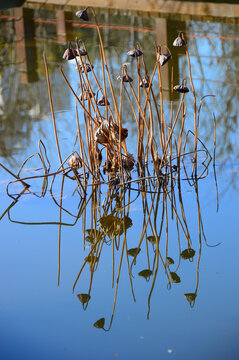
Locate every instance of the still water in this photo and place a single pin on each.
(41, 317)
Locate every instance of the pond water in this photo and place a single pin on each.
(160, 316)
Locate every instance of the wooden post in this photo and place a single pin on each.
(61, 26)
(25, 45)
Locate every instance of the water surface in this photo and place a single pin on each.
(41, 319)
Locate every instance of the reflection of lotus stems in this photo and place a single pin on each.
(163, 128)
(51, 105)
(214, 159)
(12, 204)
(59, 231)
(16, 177)
(195, 108)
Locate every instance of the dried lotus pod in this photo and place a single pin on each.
(109, 129)
(126, 78)
(163, 58)
(101, 137)
(85, 95)
(124, 134)
(179, 40)
(107, 166)
(68, 54)
(82, 14)
(81, 52)
(102, 101)
(114, 181)
(128, 161)
(98, 156)
(135, 52)
(181, 88)
(75, 162)
(85, 67)
(144, 83)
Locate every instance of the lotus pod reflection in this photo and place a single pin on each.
(152, 239)
(90, 239)
(93, 235)
(169, 261)
(90, 259)
(83, 298)
(179, 41)
(173, 277)
(133, 252)
(82, 14)
(93, 232)
(114, 226)
(99, 324)
(190, 297)
(187, 254)
(145, 274)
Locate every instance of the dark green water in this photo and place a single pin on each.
(40, 319)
